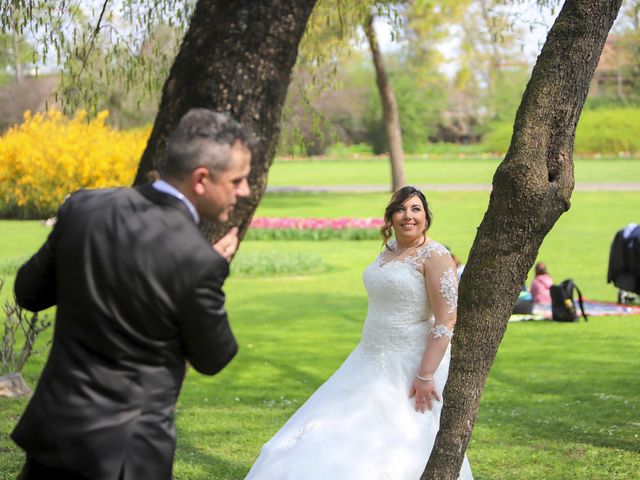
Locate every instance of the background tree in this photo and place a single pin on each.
(326, 97)
(15, 56)
(623, 60)
(18, 90)
(492, 57)
(447, 111)
(98, 46)
(132, 99)
(536, 172)
(243, 66)
(390, 113)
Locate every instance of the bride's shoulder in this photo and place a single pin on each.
(387, 251)
(431, 248)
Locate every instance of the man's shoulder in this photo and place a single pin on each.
(98, 195)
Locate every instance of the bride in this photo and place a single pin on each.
(378, 415)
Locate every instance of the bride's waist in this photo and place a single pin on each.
(402, 337)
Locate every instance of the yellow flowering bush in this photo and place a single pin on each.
(50, 156)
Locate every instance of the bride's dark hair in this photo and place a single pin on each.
(397, 199)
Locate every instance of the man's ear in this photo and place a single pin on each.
(197, 178)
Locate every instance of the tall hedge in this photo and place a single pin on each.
(602, 130)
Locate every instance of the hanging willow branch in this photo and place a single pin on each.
(99, 43)
(95, 44)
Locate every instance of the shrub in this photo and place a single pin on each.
(608, 130)
(275, 263)
(603, 130)
(498, 137)
(50, 156)
(17, 321)
(356, 149)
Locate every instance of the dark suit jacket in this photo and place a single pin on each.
(138, 291)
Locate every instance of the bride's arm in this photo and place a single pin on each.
(442, 288)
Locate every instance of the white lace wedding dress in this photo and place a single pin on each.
(361, 424)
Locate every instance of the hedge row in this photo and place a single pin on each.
(606, 131)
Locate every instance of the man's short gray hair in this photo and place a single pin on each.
(203, 138)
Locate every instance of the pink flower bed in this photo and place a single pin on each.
(316, 223)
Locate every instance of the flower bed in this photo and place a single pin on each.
(288, 228)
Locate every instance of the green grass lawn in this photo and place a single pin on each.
(562, 400)
(420, 171)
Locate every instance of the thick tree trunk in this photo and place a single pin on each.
(390, 115)
(531, 189)
(236, 57)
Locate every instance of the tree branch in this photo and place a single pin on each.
(94, 36)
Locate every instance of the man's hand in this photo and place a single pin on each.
(228, 244)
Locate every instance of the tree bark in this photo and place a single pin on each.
(531, 188)
(235, 57)
(390, 116)
(16, 59)
(16, 48)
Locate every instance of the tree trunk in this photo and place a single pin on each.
(13, 385)
(390, 115)
(531, 189)
(494, 72)
(235, 57)
(16, 50)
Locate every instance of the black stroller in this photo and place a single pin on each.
(624, 264)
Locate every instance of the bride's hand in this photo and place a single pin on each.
(424, 392)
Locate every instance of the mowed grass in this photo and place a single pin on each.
(421, 170)
(562, 400)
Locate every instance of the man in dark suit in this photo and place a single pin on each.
(138, 291)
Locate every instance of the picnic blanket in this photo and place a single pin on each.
(592, 308)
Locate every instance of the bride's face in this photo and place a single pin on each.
(409, 220)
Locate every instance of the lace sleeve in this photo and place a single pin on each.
(442, 288)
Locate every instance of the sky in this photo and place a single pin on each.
(534, 23)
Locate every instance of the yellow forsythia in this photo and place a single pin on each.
(50, 156)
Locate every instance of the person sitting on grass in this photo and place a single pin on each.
(541, 284)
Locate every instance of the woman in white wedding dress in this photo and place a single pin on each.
(378, 415)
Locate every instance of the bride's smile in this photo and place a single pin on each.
(409, 222)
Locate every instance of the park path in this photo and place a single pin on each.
(460, 187)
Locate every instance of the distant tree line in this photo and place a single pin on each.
(333, 96)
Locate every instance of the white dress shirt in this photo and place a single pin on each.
(165, 187)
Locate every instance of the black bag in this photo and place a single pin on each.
(563, 307)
